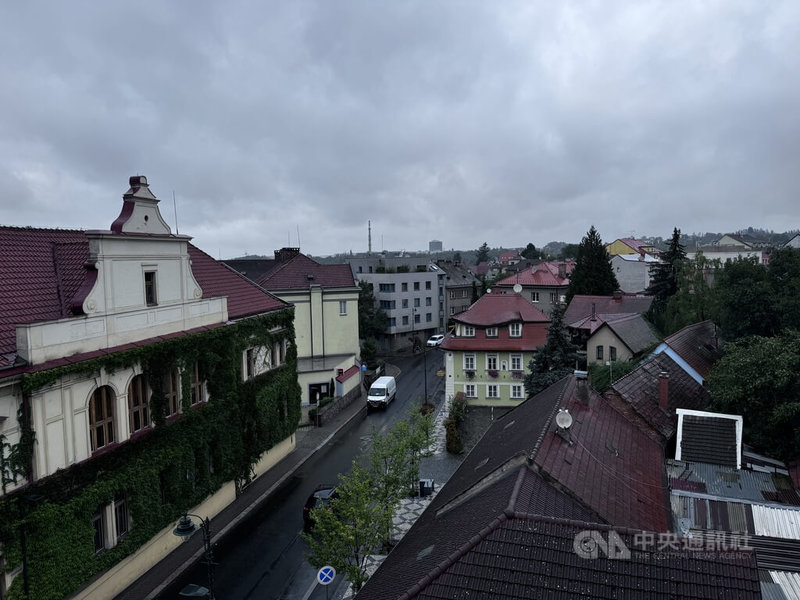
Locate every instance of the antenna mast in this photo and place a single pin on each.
(175, 208)
(369, 237)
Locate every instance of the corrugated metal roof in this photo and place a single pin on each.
(725, 482)
(789, 583)
(777, 522)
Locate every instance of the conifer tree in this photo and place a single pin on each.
(556, 359)
(592, 274)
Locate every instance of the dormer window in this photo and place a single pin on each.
(150, 296)
(491, 332)
(515, 330)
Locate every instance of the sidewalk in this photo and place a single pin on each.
(309, 441)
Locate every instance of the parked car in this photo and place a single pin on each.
(435, 340)
(321, 496)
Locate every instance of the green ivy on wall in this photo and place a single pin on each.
(170, 468)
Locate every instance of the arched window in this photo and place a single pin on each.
(172, 392)
(101, 417)
(138, 405)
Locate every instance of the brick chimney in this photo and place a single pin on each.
(285, 254)
(663, 390)
(562, 270)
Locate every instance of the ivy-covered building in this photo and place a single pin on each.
(139, 378)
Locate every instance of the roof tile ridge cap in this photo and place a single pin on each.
(540, 439)
(279, 266)
(451, 560)
(512, 501)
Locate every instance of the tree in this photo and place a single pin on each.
(759, 377)
(457, 258)
(372, 320)
(475, 294)
(350, 528)
(692, 302)
(568, 251)
(664, 278)
(592, 273)
(531, 252)
(743, 300)
(482, 254)
(556, 359)
(783, 273)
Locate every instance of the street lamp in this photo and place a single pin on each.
(186, 527)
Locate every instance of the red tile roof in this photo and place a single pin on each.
(44, 278)
(581, 307)
(499, 309)
(300, 272)
(699, 345)
(544, 274)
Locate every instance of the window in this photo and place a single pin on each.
(469, 331)
(427, 285)
(416, 302)
(469, 362)
(428, 317)
(150, 297)
(516, 362)
(99, 525)
(491, 391)
(172, 392)
(515, 330)
(196, 388)
(428, 301)
(534, 296)
(553, 297)
(393, 321)
(404, 286)
(342, 307)
(612, 353)
(416, 317)
(122, 519)
(405, 303)
(416, 286)
(405, 320)
(386, 287)
(452, 310)
(491, 332)
(138, 406)
(516, 391)
(388, 304)
(469, 391)
(491, 362)
(599, 353)
(101, 417)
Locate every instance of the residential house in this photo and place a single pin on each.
(507, 259)
(731, 247)
(563, 497)
(412, 292)
(793, 242)
(627, 246)
(139, 378)
(459, 287)
(619, 337)
(325, 298)
(487, 353)
(696, 348)
(633, 271)
(544, 283)
(585, 313)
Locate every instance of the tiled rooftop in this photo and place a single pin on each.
(581, 307)
(499, 309)
(699, 345)
(300, 272)
(545, 274)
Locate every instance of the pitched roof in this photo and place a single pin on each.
(45, 278)
(499, 309)
(41, 272)
(505, 524)
(698, 344)
(582, 306)
(300, 272)
(546, 274)
(633, 330)
(252, 268)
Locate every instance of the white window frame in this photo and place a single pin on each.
(517, 392)
(491, 362)
(534, 296)
(469, 362)
(469, 331)
(492, 390)
(516, 362)
(342, 307)
(470, 390)
(515, 330)
(491, 332)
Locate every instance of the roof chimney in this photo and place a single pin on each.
(285, 254)
(562, 270)
(663, 390)
(594, 312)
(582, 387)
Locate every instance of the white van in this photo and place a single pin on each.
(382, 392)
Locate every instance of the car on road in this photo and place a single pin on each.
(320, 497)
(435, 340)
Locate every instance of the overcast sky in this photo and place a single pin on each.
(297, 122)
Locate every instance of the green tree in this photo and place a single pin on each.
(483, 254)
(783, 273)
(759, 378)
(569, 251)
(692, 301)
(743, 300)
(350, 528)
(664, 278)
(555, 360)
(457, 258)
(372, 320)
(592, 273)
(531, 252)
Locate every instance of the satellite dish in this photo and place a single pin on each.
(517, 288)
(563, 418)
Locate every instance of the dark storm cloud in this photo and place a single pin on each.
(460, 121)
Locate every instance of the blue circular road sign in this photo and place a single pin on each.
(326, 574)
